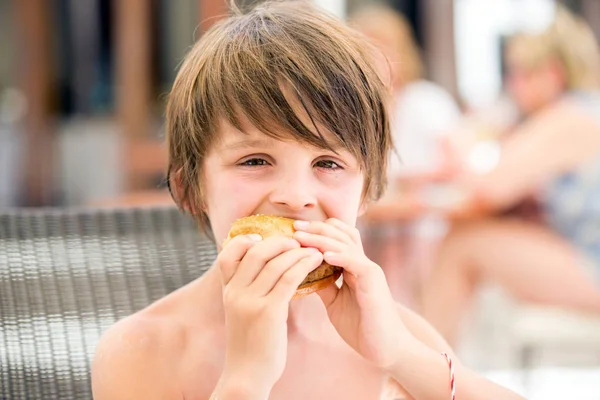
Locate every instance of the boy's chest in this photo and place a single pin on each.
(312, 372)
(327, 373)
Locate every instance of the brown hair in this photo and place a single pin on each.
(246, 66)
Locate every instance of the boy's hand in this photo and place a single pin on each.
(260, 278)
(363, 310)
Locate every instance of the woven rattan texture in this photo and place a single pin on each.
(66, 275)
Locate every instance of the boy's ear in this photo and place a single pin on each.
(177, 193)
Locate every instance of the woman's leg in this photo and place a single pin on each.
(529, 261)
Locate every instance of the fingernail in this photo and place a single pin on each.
(301, 234)
(255, 237)
(329, 254)
(301, 224)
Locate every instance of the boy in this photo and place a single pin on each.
(279, 111)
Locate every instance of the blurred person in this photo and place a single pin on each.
(416, 130)
(279, 111)
(555, 154)
(422, 113)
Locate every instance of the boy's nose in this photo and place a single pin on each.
(295, 193)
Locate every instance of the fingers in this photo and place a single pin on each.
(352, 232)
(323, 243)
(331, 235)
(274, 269)
(355, 266)
(258, 256)
(233, 253)
(347, 261)
(324, 229)
(286, 286)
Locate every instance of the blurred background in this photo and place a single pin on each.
(83, 85)
(83, 82)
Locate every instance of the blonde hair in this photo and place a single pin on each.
(393, 28)
(256, 66)
(570, 41)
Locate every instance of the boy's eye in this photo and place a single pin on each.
(254, 162)
(327, 164)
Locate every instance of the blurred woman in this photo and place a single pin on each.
(417, 129)
(422, 113)
(553, 78)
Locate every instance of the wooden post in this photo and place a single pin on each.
(438, 38)
(590, 9)
(133, 83)
(34, 49)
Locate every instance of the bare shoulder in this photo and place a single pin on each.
(138, 358)
(161, 351)
(423, 330)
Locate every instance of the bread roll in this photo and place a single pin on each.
(270, 225)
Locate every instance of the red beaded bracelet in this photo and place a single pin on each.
(452, 385)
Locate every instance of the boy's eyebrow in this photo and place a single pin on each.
(246, 143)
(251, 143)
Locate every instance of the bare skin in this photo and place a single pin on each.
(534, 264)
(185, 345)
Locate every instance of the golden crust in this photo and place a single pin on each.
(271, 225)
(315, 286)
(263, 225)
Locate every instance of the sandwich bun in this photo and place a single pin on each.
(270, 225)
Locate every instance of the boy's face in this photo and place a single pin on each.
(250, 173)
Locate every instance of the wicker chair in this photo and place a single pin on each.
(66, 275)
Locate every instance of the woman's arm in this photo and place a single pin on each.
(551, 143)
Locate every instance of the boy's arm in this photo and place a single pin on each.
(424, 372)
(132, 362)
(423, 331)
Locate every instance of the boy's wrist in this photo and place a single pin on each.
(403, 354)
(420, 370)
